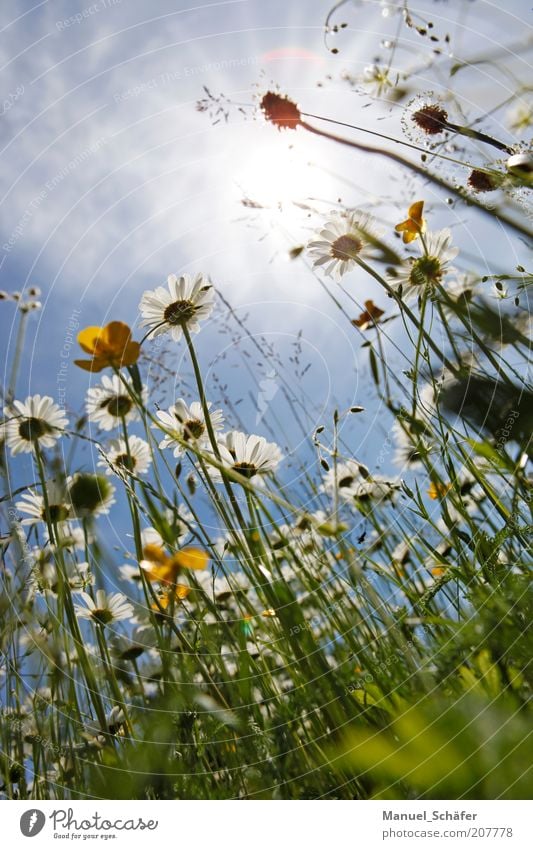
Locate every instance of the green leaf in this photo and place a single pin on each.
(374, 365)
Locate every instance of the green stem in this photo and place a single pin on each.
(422, 172)
(19, 346)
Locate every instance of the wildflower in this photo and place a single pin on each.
(121, 457)
(412, 447)
(461, 292)
(90, 495)
(428, 270)
(521, 165)
(481, 181)
(377, 79)
(438, 490)
(128, 573)
(250, 456)
(345, 238)
(114, 723)
(74, 537)
(45, 576)
(370, 317)
(111, 345)
(165, 568)
(304, 537)
(168, 598)
(109, 403)
(187, 424)
(178, 522)
(129, 648)
(187, 301)
(37, 421)
(414, 225)
(520, 117)
(353, 483)
(33, 505)
(431, 119)
(342, 479)
(280, 111)
(106, 608)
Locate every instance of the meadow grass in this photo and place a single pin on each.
(339, 630)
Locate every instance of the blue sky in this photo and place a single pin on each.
(110, 179)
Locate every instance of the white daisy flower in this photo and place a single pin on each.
(90, 495)
(121, 458)
(376, 79)
(250, 456)
(32, 505)
(411, 447)
(128, 573)
(45, 573)
(428, 270)
(130, 647)
(179, 520)
(151, 536)
(71, 536)
(187, 424)
(114, 722)
(187, 301)
(105, 609)
(302, 536)
(109, 403)
(352, 485)
(35, 421)
(343, 478)
(461, 290)
(345, 238)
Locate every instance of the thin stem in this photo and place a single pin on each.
(19, 346)
(409, 313)
(422, 172)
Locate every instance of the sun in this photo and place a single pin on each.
(276, 173)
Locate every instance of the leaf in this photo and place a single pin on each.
(374, 365)
(136, 378)
(486, 450)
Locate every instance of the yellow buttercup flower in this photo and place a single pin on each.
(168, 600)
(164, 568)
(191, 558)
(111, 345)
(438, 490)
(414, 223)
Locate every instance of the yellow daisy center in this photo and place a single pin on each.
(346, 247)
(179, 312)
(247, 470)
(32, 429)
(117, 406)
(426, 271)
(102, 615)
(193, 429)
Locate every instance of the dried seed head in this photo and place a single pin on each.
(479, 181)
(431, 119)
(280, 111)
